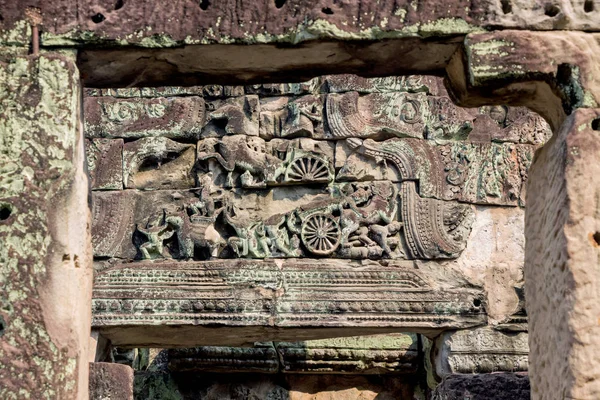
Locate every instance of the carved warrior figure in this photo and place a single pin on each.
(192, 225)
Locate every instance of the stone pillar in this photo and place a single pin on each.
(45, 254)
(562, 231)
(111, 381)
(479, 363)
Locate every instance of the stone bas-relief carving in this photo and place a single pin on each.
(175, 117)
(259, 293)
(375, 354)
(257, 164)
(481, 350)
(348, 220)
(156, 163)
(313, 175)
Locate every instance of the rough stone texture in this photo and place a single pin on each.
(501, 65)
(232, 116)
(372, 355)
(481, 350)
(110, 381)
(377, 354)
(484, 386)
(256, 299)
(105, 163)
(561, 259)
(182, 386)
(262, 22)
(179, 117)
(45, 252)
(156, 163)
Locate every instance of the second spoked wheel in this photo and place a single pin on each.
(321, 234)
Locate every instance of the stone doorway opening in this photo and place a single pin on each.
(267, 223)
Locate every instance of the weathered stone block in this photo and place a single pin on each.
(483, 386)
(481, 350)
(480, 173)
(111, 381)
(173, 117)
(158, 163)
(376, 116)
(562, 227)
(376, 354)
(261, 358)
(282, 117)
(140, 303)
(105, 163)
(411, 83)
(279, 89)
(253, 163)
(232, 116)
(45, 256)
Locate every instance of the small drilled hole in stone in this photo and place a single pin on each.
(596, 124)
(506, 6)
(204, 4)
(327, 10)
(588, 6)
(1, 18)
(98, 18)
(551, 10)
(476, 302)
(596, 239)
(279, 3)
(2, 326)
(5, 212)
(119, 4)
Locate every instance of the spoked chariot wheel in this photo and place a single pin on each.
(308, 169)
(321, 234)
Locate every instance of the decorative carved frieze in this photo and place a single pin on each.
(279, 89)
(376, 354)
(178, 117)
(375, 116)
(262, 358)
(362, 220)
(253, 163)
(410, 83)
(297, 294)
(481, 350)
(105, 163)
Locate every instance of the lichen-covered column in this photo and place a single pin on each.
(562, 268)
(45, 255)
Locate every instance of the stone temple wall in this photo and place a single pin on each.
(287, 212)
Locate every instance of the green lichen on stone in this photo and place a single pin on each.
(318, 29)
(38, 126)
(19, 35)
(155, 386)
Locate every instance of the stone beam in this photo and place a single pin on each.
(174, 304)
(159, 24)
(45, 243)
(552, 73)
(561, 262)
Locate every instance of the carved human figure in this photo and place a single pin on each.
(370, 209)
(156, 230)
(250, 240)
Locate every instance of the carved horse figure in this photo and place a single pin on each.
(245, 153)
